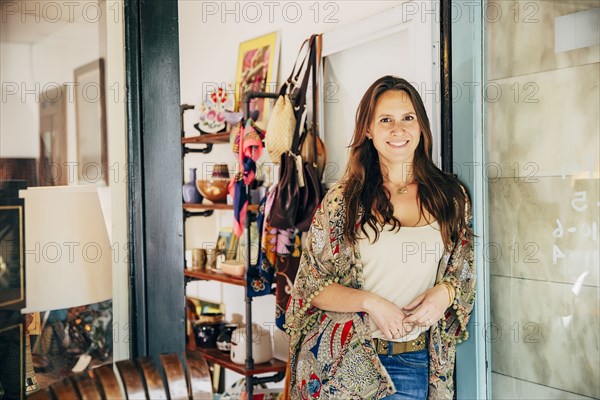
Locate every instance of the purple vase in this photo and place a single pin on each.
(190, 192)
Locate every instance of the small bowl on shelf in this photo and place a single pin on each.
(233, 268)
(220, 172)
(214, 190)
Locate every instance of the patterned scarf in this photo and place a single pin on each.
(250, 150)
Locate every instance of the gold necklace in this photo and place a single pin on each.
(402, 189)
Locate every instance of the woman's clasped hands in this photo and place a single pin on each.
(428, 308)
(396, 322)
(389, 318)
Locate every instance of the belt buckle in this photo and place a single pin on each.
(418, 342)
(382, 346)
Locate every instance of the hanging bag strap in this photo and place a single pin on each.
(292, 81)
(314, 63)
(315, 106)
(299, 100)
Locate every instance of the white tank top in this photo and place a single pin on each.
(401, 265)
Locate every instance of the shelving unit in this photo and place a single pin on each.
(206, 210)
(213, 138)
(192, 207)
(214, 276)
(249, 369)
(218, 357)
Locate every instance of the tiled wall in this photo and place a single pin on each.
(543, 141)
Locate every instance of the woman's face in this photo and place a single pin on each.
(395, 130)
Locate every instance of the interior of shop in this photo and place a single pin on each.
(136, 167)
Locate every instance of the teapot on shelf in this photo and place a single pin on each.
(224, 339)
(207, 328)
(262, 345)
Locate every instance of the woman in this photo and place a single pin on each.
(386, 281)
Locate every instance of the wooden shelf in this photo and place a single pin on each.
(208, 138)
(215, 276)
(216, 206)
(218, 357)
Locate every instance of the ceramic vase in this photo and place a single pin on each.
(190, 192)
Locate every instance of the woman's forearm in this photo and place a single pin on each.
(387, 316)
(339, 298)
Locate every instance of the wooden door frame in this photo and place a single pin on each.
(154, 186)
(155, 218)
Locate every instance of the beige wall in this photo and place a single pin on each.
(542, 133)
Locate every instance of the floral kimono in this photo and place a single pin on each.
(332, 355)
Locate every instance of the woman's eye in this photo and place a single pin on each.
(385, 120)
(409, 118)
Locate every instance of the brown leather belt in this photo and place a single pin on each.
(382, 346)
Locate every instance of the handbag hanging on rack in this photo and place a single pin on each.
(299, 191)
(312, 192)
(307, 151)
(283, 117)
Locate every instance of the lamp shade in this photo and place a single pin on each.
(67, 252)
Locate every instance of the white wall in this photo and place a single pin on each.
(34, 67)
(209, 46)
(19, 114)
(55, 59)
(209, 43)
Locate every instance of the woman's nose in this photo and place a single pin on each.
(398, 127)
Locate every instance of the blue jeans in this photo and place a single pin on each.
(410, 374)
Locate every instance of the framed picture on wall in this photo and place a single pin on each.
(53, 167)
(12, 361)
(227, 243)
(257, 71)
(12, 254)
(90, 116)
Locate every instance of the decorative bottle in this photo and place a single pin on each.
(190, 192)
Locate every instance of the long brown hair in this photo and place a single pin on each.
(438, 192)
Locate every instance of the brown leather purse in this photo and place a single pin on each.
(307, 152)
(314, 158)
(287, 194)
(310, 195)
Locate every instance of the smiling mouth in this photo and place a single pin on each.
(398, 144)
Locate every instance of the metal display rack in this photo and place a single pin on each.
(249, 369)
